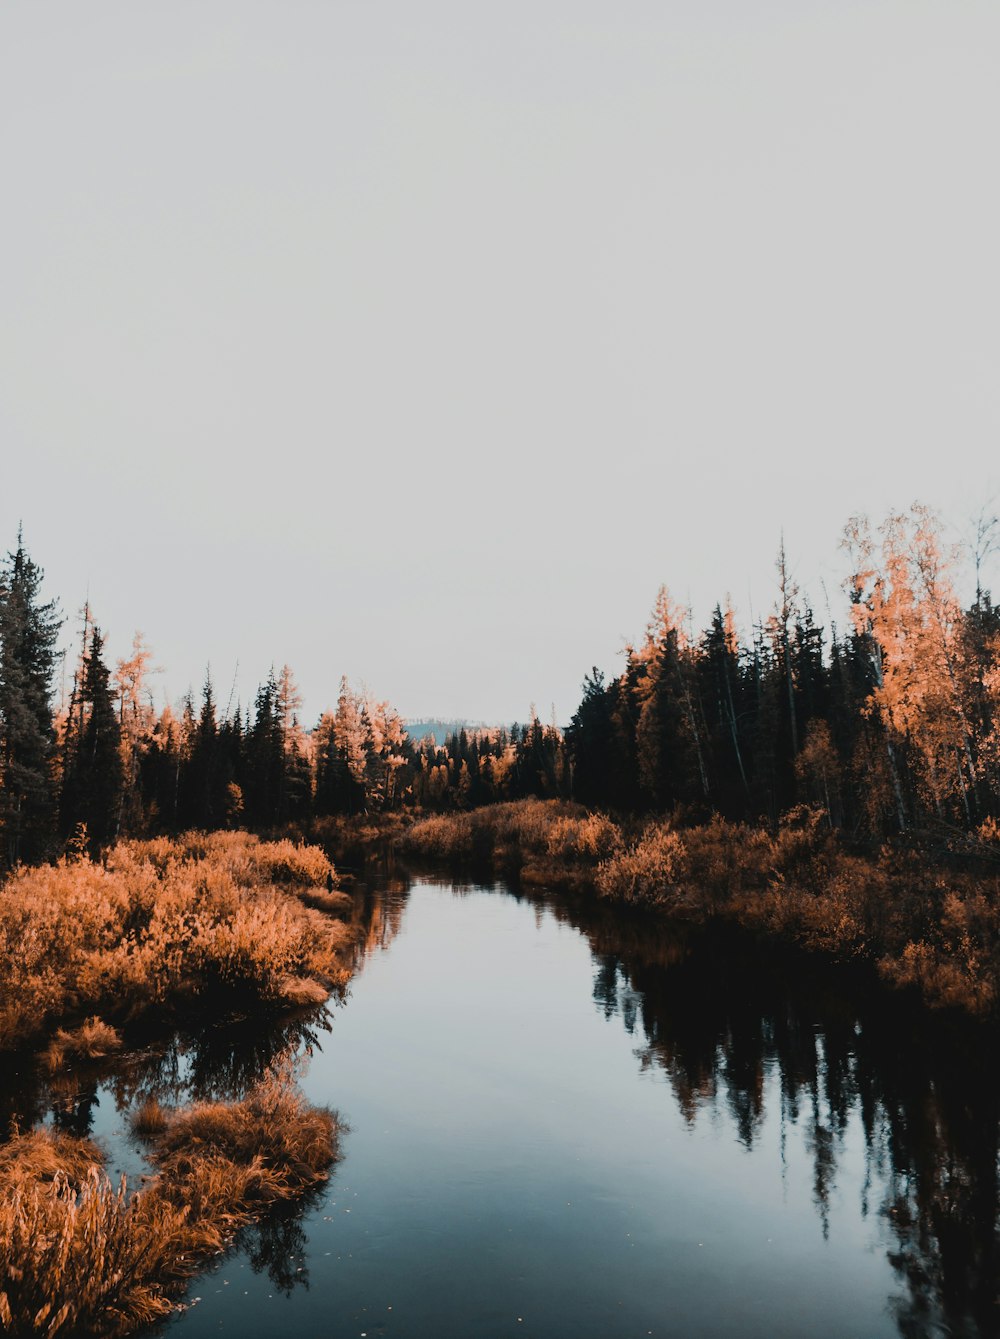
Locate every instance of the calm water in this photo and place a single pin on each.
(563, 1123)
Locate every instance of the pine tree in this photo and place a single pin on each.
(670, 726)
(204, 778)
(342, 756)
(718, 670)
(265, 769)
(589, 738)
(92, 765)
(28, 632)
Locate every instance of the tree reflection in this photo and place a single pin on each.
(733, 1024)
(277, 1246)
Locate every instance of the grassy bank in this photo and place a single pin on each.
(923, 920)
(81, 1256)
(217, 926)
(548, 842)
(221, 921)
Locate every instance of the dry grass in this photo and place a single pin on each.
(647, 871)
(92, 1040)
(251, 862)
(79, 1256)
(284, 1145)
(218, 917)
(546, 841)
(149, 1119)
(301, 992)
(41, 1155)
(922, 923)
(338, 903)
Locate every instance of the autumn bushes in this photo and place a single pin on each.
(218, 919)
(79, 1255)
(551, 841)
(921, 921)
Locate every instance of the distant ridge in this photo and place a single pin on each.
(420, 729)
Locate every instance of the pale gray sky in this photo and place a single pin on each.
(422, 341)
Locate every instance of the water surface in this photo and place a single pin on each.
(566, 1122)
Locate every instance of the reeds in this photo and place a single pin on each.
(545, 841)
(92, 1040)
(81, 1256)
(149, 1119)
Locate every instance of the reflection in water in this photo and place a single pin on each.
(716, 1020)
(220, 1061)
(730, 1028)
(377, 917)
(733, 1025)
(277, 1246)
(718, 1015)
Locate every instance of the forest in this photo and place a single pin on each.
(887, 725)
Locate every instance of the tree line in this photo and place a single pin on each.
(891, 723)
(104, 763)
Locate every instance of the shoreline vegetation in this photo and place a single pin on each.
(922, 920)
(83, 1256)
(253, 928)
(222, 923)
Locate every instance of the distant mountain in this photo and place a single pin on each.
(418, 730)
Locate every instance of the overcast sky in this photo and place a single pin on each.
(421, 341)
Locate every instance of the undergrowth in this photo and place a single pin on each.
(82, 1256)
(220, 919)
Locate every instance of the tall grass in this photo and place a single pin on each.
(80, 1256)
(92, 1040)
(546, 841)
(220, 918)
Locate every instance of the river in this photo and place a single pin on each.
(569, 1122)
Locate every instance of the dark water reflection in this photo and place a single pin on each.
(716, 1015)
(566, 1121)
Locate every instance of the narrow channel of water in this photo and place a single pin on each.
(569, 1123)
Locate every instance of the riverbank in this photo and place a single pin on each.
(926, 920)
(218, 926)
(221, 922)
(82, 1256)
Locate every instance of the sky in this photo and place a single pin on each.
(422, 342)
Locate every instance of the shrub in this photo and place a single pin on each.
(287, 1144)
(92, 1040)
(42, 1155)
(650, 871)
(150, 1118)
(81, 1256)
(513, 832)
(163, 922)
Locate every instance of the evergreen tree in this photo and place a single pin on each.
(264, 788)
(136, 719)
(92, 766)
(590, 741)
(718, 672)
(28, 632)
(204, 779)
(342, 756)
